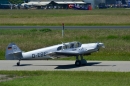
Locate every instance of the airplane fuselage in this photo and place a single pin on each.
(39, 53)
(45, 53)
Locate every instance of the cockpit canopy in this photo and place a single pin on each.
(69, 45)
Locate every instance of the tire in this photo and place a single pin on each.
(77, 63)
(18, 63)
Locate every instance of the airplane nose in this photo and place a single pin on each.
(101, 45)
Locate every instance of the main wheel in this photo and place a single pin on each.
(83, 62)
(77, 63)
(18, 63)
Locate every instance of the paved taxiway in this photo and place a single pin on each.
(66, 27)
(115, 66)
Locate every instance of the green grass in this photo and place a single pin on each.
(117, 41)
(69, 17)
(64, 78)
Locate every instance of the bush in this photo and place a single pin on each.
(126, 37)
(112, 37)
(45, 30)
(33, 30)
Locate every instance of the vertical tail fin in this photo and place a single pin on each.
(13, 52)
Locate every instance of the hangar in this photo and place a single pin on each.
(58, 4)
(94, 3)
(63, 3)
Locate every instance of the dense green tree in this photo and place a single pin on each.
(16, 1)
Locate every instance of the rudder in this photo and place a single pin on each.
(13, 52)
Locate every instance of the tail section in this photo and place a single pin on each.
(13, 52)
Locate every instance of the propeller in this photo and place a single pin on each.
(100, 45)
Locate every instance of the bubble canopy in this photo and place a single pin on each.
(69, 45)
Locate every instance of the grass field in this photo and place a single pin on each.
(64, 78)
(117, 41)
(69, 17)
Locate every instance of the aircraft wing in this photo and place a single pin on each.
(86, 49)
(68, 52)
(63, 53)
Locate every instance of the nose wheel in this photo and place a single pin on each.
(18, 63)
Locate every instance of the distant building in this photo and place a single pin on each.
(58, 4)
(4, 1)
(110, 1)
(3, 4)
(29, 0)
(65, 3)
(93, 3)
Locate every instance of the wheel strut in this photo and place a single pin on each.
(81, 61)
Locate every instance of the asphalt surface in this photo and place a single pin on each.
(51, 65)
(65, 27)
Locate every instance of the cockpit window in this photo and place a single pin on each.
(65, 47)
(78, 44)
(71, 45)
(59, 48)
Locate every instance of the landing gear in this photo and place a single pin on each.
(80, 62)
(77, 63)
(18, 63)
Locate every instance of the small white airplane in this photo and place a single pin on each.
(76, 49)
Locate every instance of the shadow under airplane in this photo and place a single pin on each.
(24, 65)
(70, 66)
